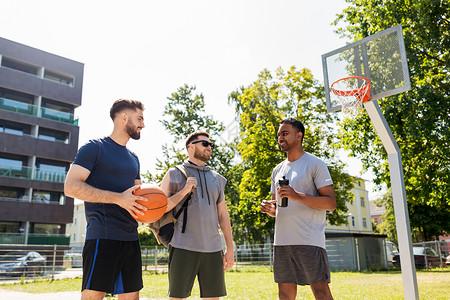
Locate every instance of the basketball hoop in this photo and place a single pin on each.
(351, 93)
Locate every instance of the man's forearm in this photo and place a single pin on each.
(176, 198)
(83, 191)
(318, 202)
(225, 226)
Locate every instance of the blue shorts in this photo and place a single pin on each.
(113, 267)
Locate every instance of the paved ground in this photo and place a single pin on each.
(68, 273)
(8, 295)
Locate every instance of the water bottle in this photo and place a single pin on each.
(284, 200)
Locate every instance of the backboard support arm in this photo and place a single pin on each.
(399, 198)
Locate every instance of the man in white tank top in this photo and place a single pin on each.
(299, 249)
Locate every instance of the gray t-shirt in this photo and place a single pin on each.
(202, 226)
(299, 224)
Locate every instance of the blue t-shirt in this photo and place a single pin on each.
(114, 168)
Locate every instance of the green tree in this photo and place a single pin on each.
(261, 106)
(183, 115)
(418, 118)
(146, 237)
(387, 227)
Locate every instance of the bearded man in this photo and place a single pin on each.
(300, 257)
(196, 248)
(104, 175)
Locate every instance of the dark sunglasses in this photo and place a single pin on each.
(204, 143)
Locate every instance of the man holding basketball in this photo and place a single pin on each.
(197, 250)
(300, 257)
(105, 174)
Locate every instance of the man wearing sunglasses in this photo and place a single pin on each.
(197, 251)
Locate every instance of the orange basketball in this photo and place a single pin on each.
(156, 204)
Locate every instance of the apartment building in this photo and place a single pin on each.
(39, 92)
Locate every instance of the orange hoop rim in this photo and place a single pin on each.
(363, 90)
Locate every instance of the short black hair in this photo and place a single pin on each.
(296, 124)
(195, 135)
(123, 104)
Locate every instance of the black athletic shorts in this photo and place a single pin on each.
(113, 267)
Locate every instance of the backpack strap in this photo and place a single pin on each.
(186, 198)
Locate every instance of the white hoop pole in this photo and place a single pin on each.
(399, 197)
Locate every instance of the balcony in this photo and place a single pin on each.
(26, 172)
(24, 198)
(32, 110)
(59, 177)
(18, 107)
(9, 171)
(38, 198)
(59, 116)
(34, 239)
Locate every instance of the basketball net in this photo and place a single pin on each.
(351, 93)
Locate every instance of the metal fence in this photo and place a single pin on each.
(156, 258)
(18, 261)
(434, 253)
(55, 262)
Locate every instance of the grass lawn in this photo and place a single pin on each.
(257, 283)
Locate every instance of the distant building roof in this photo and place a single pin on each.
(376, 210)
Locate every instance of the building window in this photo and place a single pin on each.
(54, 76)
(17, 102)
(364, 221)
(363, 204)
(14, 128)
(353, 221)
(48, 197)
(15, 95)
(13, 166)
(359, 183)
(53, 135)
(19, 66)
(10, 163)
(74, 237)
(13, 194)
(9, 227)
(56, 111)
(45, 228)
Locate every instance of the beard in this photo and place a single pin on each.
(132, 131)
(201, 155)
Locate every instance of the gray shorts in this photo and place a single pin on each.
(301, 265)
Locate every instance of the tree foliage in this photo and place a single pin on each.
(183, 115)
(261, 106)
(146, 237)
(418, 118)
